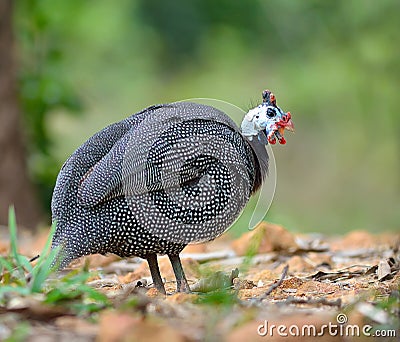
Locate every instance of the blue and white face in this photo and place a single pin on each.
(272, 121)
(268, 119)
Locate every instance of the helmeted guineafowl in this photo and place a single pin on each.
(167, 176)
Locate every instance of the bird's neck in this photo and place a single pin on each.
(260, 161)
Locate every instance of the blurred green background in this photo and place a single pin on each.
(334, 64)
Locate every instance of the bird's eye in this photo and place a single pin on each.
(271, 113)
(257, 116)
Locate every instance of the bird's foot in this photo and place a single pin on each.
(160, 288)
(183, 287)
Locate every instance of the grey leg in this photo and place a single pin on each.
(155, 272)
(181, 282)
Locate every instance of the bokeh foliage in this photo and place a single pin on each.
(333, 64)
(43, 88)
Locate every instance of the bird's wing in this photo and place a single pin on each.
(82, 162)
(155, 154)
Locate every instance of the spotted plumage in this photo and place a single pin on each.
(162, 178)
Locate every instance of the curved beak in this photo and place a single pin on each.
(286, 123)
(290, 126)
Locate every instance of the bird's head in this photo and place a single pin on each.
(267, 121)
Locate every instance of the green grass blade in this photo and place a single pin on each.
(50, 238)
(12, 226)
(46, 248)
(5, 264)
(19, 260)
(43, 269)
(24, 262)
(16, 289)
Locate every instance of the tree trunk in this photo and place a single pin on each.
(15, 186)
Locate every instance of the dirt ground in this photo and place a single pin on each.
(268, 284)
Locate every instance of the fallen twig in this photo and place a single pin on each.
(275, 285)
(335, 276)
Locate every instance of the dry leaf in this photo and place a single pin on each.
(383, 270)
(241, 284)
